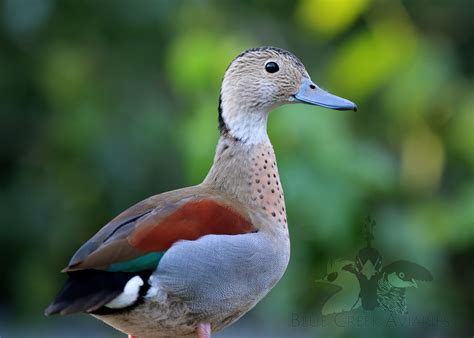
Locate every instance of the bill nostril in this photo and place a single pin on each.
(312, 86)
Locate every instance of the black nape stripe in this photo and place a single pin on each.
(223, 128)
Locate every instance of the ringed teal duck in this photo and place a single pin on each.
(194, 260)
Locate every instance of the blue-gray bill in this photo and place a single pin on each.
(311, 94)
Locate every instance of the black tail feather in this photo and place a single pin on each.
(89, 290)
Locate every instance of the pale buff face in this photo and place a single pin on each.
(248, 84)
(249, 91)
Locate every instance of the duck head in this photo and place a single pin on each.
(260, 80)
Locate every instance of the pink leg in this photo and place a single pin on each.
(130, 336)
(204, 330)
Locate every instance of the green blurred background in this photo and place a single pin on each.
(105, 103)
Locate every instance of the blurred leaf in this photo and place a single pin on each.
(368, 59)
(422, 160)
(66, 73)
(330, 17)
(197, 61)
(419, 86)
(199, 139)
(461, 135)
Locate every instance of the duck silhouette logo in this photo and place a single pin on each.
(365, 282)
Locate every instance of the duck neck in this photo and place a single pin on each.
(249, 173)
(244, 123)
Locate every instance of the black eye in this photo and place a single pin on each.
(332, 276)
(271, 67)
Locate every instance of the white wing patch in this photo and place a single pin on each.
(129, 294)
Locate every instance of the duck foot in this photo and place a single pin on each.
(204, 330)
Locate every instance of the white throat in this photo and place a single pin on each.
(249, 126)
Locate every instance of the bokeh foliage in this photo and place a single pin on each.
(105, 103)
